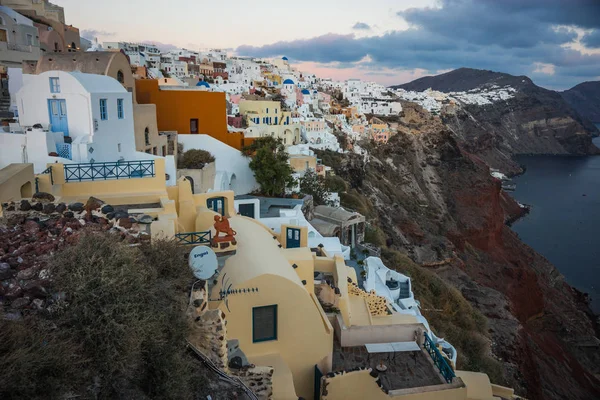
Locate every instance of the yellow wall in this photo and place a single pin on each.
(17, 181)
(303, 235)
(302, 337)
(299, 162)
(359, 385)
(144, 117)
(305, 265)
(114, 191)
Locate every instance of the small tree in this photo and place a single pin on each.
(270, 165)
(314, 185)
(194, 159)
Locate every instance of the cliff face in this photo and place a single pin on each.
(435, 202)
(533, 120)
(585, 99)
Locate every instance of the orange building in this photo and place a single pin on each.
(189, 111)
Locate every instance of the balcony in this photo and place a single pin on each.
(108, 170)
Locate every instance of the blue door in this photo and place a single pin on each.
(217, 204)
(58, 116)
(293, 238)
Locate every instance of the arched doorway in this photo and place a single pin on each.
(233, 183)
(189, 178)
(121, 77)
(26, 191)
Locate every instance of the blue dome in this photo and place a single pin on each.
(284, 58)
(304, 91)
(288, 82)
(203, 83)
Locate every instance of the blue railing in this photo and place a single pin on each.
(109, 170)
(49, 171)
(193, 237)
(64, 150)
(438, 359)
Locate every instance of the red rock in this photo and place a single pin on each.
(27, 274)
(13, 290)
(125, 223)
(21, 302)
(31, 226)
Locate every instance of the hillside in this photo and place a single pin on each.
(434, 202)
(585, 99)
(527, 119)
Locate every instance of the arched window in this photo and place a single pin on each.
(121, 77)
(1, 20)
(147, 136)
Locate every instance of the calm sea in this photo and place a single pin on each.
(564, 223)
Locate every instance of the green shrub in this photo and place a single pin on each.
(194, 159)
(374, 235)
(335, 184)
(120, 332)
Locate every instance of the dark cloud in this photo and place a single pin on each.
(512, 36)
(361, 26)
(161, 46)
(592, 40)
(93, 33)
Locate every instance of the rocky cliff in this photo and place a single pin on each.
(585, 99)
(531, 120)
(439, 205)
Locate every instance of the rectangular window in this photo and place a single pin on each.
(29, 39)
(119, 147)
(103, 110)
(154, 151)
(54, 85)
(120, 113)
(264, 323)
(267, 110)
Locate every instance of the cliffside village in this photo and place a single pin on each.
(296, 304)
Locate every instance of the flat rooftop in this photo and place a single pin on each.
(405, 370)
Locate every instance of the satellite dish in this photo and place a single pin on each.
(203, 262)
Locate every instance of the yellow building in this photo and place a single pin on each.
(291, 308)
(302, 162)
(265, 118)
(17, 181)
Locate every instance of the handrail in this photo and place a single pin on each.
(109, 170)
(210, 365)
(194, 237)
(49, 171)
(438, 359)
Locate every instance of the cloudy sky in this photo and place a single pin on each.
(555, 42)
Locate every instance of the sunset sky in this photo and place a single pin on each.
(555, 42)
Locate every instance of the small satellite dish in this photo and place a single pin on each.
(203, 262)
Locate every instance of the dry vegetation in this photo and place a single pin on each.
(116, 329)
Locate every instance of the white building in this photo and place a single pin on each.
(93, 112)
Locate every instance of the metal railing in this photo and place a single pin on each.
(194, 237)
(48, 171)
(109, 170)
(438, 359)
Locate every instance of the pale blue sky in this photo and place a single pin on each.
(555, 42)
(229, 24)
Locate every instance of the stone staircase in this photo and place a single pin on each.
(5, 105)
(404, 290)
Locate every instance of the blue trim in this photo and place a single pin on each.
(54, 85)
(193, 237)
(103, 110)
(120, 113)
(438, 359)
(109, 170)
(269, 338)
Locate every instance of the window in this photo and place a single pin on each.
(121, 77)
(103, 110)
(154, 151)
(120, 109)
(54, 85)
(119, 147)
(194, 125)
(147, 136)
(164, 151)
(264, 323)
(29, 39)
(267, 110)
